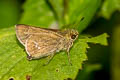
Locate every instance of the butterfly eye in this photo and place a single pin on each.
(73, 36)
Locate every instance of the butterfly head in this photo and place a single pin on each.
(71, 34)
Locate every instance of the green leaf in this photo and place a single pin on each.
(14, 64)
(37, 13)
(87, 72)
(109, 7)
(115, 65)
(57, 7)
(78, 9)
(9, 12)
(40, 13)
(99, 39)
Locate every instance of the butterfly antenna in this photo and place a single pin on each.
(76, 24)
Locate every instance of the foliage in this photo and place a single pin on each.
(110, 6)
(47, 13)
(14, 63)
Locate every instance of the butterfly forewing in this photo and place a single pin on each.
(24, 31)
(40, 45)
(21, 31)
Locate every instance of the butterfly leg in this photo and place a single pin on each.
(69, 57)
(50, 57)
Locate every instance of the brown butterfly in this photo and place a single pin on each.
(41, 42)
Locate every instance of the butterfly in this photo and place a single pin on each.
(43, 42)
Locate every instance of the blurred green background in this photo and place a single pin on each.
(103, 61)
